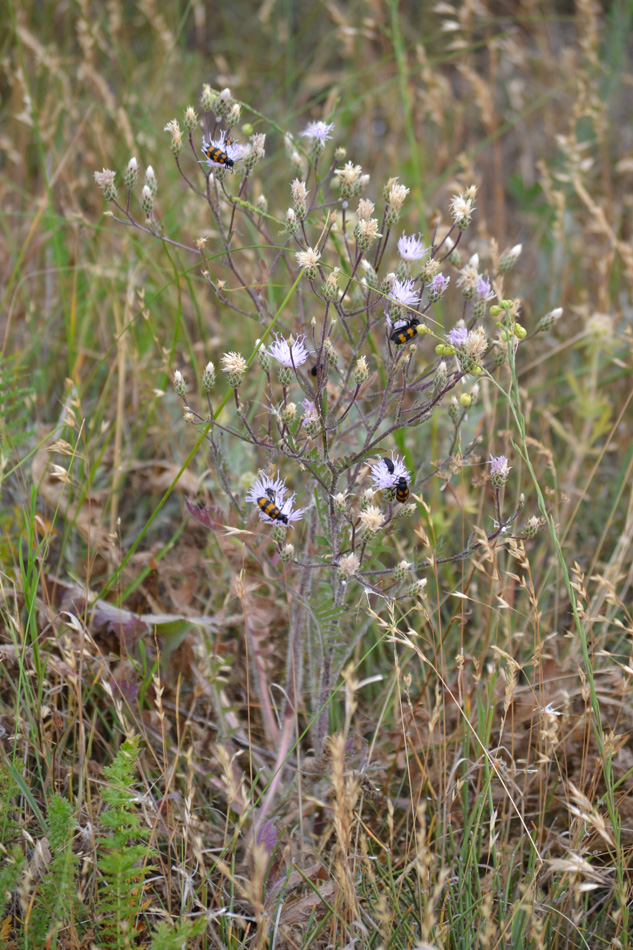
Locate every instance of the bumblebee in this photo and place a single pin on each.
(401, 486)
(405, 333)
(268, 506)
(215, 154)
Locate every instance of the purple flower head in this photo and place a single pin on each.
(287, 354)
(382, 475)
(403, 292)
(499, 466)
(318, 130)
(274, 489)
(232, 150)
(457, 337)
(439, 284)
(483, 288)
(411, 248)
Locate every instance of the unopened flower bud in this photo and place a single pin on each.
(361, 371)
(147, 200)
(130, 176)
(454, 411)
(548, 321)
(340, 503)
(330, 288)
(366, 498)
(465, 399)
(292, 222)
(509, 258)
(262, 204)
(418, 589)
(441, 377)
(340, 153)
(190, 119)
(386, 284)
(207, 98)
(287, 553)
(400, 571)
(288, 413)
(532, 527)
(180, 384)
(208, 377)
(150, 181)
(223, 103)
(279, 532)
(234, 115)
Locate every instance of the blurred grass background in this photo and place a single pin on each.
(529, 100)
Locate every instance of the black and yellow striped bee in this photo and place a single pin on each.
(268, 506)
(401, 486)
(405, 333)
(215, 154)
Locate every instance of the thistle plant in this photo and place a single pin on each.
(363, 331)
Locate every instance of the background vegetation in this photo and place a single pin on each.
(477, 788)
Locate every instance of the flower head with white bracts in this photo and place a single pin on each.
(275, 490)
(233, 150)
(411, 248)
(319, 131)
(387, 472)
(289, 354)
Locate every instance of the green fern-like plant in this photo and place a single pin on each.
(123, 854)
(176, 936)
(55, 893)
(16, 420)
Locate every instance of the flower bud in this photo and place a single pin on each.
(180, 384)
(361, 371)
(418, 589)
(292, 222)
(548, 321)
(288, 413)
(466, 400)
(207, 98)
(264, 357)
(400, 571)
(234, 115)
(208, 377)
(130, 176)
(287, 553)
(279, 532)
(330, 288)
(340, 502)
(223, 103)
(533, 526)
(150, 181)
(285, 375)
(147, 200)
(509, 258)
(190, 120)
